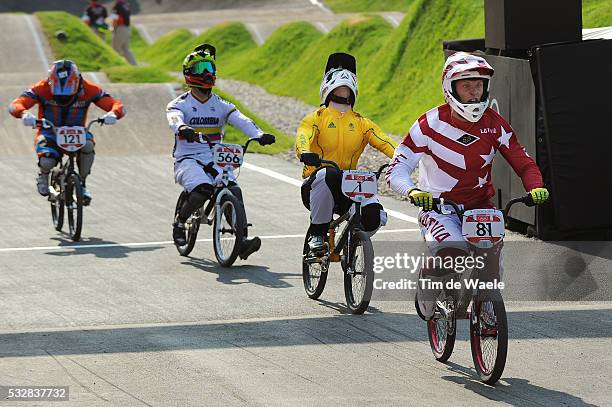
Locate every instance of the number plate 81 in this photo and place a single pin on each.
(483, 225)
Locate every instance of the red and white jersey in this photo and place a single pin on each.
(455, 157)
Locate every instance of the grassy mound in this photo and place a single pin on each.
(355, 6)
(168, 51)
(83, 47)
(137, 74)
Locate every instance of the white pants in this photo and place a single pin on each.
(189, 173)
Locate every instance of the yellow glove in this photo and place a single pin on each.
(420, 198)
(539, 195)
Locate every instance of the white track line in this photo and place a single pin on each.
(322, 27)
(298, 183)
(39, 47)
(160, 243)
(144, 33)
(321, 6)
(392, 20)
(255, 31)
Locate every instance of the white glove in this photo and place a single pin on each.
(110, 118)
(28, 119)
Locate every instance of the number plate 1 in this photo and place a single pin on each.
(71, 138)
(228, 155)
(483, 225)
(359, 185)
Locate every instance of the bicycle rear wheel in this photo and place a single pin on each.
(489, 336)
(358, 272)
(56, 199)
(73, 196)
(314, 272)
(229, 229)
(192, 226)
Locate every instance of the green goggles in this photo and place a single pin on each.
(201, 67)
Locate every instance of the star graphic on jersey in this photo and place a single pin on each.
(482, 181)
(488, 158)
(504, 139)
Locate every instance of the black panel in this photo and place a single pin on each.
(522, 24)
(575, 91)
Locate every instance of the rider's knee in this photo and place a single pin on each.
(373, 217)
(47, 162)
(200, 194)
(88, 148)
(333, 178)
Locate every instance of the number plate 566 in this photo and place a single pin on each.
(228, 155)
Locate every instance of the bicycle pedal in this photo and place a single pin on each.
(249, 225)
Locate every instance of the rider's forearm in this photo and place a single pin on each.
(246, 125)
(401, 167)
(175, 119)
(20, 105)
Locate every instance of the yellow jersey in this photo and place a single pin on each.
(339, 137)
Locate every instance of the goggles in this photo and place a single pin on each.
(201, 67)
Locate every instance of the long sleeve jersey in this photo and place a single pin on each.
(208, 117)
(339, 137)
(74, 114)
(455, 158)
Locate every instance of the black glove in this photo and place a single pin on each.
(266, 139)
(187, 133)
(310, 159)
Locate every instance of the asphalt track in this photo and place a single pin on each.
(123, 320)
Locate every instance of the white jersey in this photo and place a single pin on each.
(209, 118)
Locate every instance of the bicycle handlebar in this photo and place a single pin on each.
(44, 123)
(526, 200)
(203, 138)
(335, 165)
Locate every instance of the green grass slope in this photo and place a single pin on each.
(83, 47)
(137, 74)
(356, 6)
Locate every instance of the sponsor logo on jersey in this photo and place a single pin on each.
(194, 108)
(204, 120)
(351, 126)
(489, 130)
(467, 139)
(331, 126)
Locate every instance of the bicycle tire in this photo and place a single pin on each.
(192, 226)
(73, 197)
(237, 223)
(442, 349)
(488, 372)
(314, 283)
(57, 205)
(358, 304)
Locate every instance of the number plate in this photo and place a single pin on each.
(481, 225)
(359, 185)
(71, 138)
(228, 155)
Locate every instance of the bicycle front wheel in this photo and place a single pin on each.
(73, 197)
(442, 332)
(56, 200)
(229, 230)
(358, 272)
(489, 336)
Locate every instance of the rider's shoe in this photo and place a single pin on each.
(42, 183)
(86, 196)
(317, 245)
(178, 234)
(250, 246)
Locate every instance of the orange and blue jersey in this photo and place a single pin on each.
(74, 114)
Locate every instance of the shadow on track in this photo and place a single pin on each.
(243, 274)
(115, 251)
(512, 390)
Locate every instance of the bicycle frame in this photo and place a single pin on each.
(465, 295)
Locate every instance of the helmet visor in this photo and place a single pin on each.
(202, 67)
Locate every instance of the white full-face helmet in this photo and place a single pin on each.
(462, 65)
(335, 78)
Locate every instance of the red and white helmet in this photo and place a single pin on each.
(335, 78)
(462, 65)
